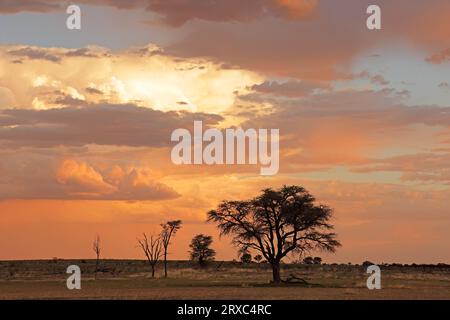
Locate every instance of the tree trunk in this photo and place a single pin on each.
(153, 271)
(96, 269)
(276, 272)
(165, 263)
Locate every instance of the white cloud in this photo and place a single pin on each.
(45, 77)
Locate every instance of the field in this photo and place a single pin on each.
(129, 279)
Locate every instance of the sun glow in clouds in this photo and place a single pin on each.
(54, 77)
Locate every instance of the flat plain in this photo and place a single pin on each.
(129, 279)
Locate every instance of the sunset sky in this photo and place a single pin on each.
(86, 117)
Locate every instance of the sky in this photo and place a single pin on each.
(86, 118)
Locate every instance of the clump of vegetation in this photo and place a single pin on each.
(200, 249)
(311, 260)
(246, 257)
(367, 263)
(258, 258)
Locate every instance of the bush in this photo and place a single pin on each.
(367, 263)
(246, 257)
(311, 260)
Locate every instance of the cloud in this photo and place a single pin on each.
(296, 9)
(427, 21)
(300, 37)
(88, 52)
(12, 6)
(318, 132)
(382, 107)
(178, 12)
(81, 181)
(379, 79)
(6, 97)
(321, 47)
(65, 174)
(58, 77)
(349, 128)
(439, 57)
(425, 167)
(117, 125)
(94, 91)
(290, 88)
(444, 85)
(34, 54)
(298, 50)
(56, 54)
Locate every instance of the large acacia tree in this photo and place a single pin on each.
(277, 223)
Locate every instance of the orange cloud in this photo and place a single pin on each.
(297, 9)
(439, 57)
(82, 179)
(178, 12)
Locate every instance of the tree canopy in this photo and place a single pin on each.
(277, 223)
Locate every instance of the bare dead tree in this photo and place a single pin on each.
(152, 250)
(97, 249)
(168, 230)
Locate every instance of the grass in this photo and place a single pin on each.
(129, 279)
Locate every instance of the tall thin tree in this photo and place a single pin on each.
(97, 249)
(168, 230)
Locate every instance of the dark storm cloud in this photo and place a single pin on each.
(122, 125)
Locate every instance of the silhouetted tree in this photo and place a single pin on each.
(168, 230)
(317, 260)
(308, 260)
(311, 260)
(200, 249)
(367, 263)
(152, 250)
(246, 257)
(277, 223)
(97, 249)
(258, 258)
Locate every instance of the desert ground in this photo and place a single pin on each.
(129, 279)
